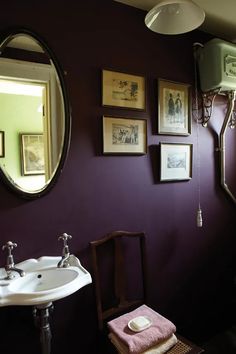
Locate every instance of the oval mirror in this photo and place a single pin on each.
(35, 114)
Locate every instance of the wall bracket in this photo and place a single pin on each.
(207, 106)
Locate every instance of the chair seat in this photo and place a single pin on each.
(184, 346)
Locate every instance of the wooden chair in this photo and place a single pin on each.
(116, 297)
(116, 257)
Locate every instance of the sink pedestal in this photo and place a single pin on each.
(41, 315)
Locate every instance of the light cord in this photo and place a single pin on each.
(199, 211)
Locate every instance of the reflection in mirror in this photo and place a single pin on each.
(35, 115)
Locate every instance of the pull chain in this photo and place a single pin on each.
(199, 210)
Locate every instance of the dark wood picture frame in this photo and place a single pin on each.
(124, 136)
(123, 90)
(175, 161)
(174, 108)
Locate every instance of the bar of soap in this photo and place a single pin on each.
(140, 322)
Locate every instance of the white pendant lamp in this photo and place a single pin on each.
(174, 17)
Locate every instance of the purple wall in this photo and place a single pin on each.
(190, 270)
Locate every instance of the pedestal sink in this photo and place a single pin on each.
(42, 284)
(43, 281)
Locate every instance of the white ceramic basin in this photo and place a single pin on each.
(43, 282)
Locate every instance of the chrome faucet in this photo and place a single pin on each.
(10, 265)
(64, 262)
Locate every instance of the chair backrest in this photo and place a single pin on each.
(116, 258)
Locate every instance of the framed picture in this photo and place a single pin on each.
(174, 114)
(124, 136)
(2, 144)
(123, 90)
(175, 161)
(32, 154)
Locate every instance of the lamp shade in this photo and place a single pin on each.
(174, 17)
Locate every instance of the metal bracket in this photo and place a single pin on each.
(232, 122)
(207, 106)
(206, 102)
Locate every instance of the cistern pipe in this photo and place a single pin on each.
(231, 98)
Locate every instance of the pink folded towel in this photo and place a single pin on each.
(138, 342)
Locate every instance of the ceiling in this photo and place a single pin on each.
(220, 15)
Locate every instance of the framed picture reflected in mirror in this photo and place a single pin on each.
(2, 143)
(32, 154)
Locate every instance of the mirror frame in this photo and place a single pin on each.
(5, 37)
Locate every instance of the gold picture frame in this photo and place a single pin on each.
(124, 136)
(123, 90)
(175, 161)
(32, 154)
(174, 113)
(2, 143)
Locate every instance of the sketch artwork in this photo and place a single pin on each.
(176, 160)
(33, 154)
(123, 134)
(174, 108)
(124, 90)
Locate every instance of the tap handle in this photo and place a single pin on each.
(65, 238)
(9, 246)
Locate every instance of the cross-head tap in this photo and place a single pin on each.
(64, 262)
(10, 265)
